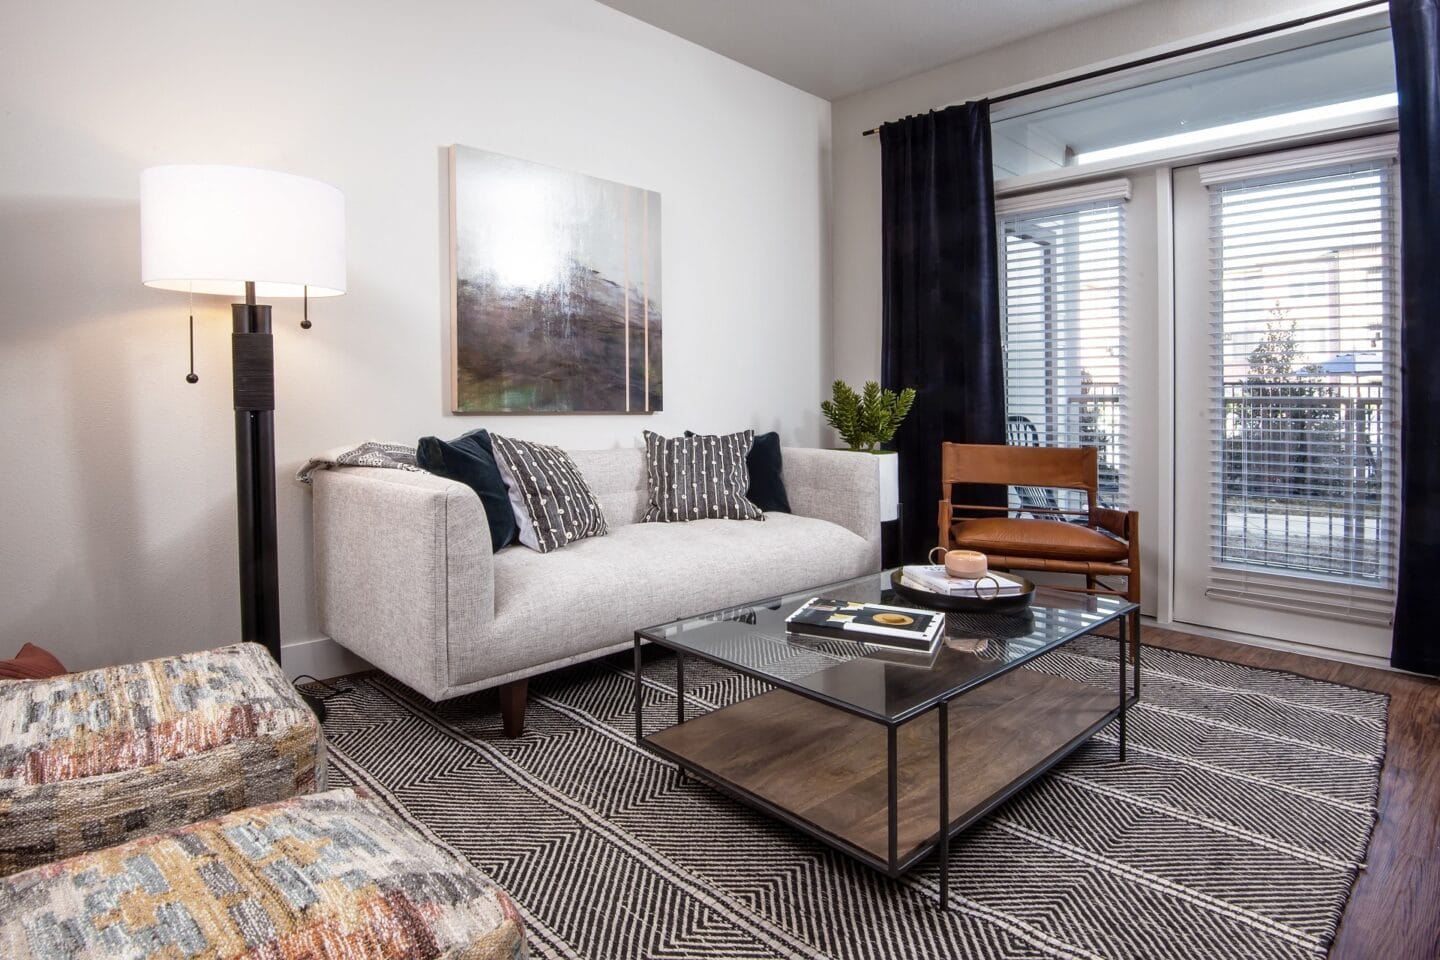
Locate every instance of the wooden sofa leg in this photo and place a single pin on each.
(512, 706)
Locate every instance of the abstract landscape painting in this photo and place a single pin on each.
(556, 278)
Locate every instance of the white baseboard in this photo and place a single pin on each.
(324, 658)
(1270, 643)
(319, 657)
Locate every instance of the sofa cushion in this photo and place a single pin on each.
(324, 877)
(471, 460)
(699, 477)
(1040, 539)
(648, 573)
(31, 663)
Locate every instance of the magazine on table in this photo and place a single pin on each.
(901, 627)
(933, 577)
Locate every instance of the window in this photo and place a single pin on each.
(1063, 305)
(1305, 378)
(1340, 73)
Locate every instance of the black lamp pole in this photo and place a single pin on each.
(253, 358)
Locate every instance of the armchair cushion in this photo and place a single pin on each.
(1040, 539)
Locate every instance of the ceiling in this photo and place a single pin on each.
(833, 48)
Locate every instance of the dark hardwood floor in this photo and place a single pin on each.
(1394, 913)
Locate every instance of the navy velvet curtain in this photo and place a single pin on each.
(1415, 25)
(941, 327)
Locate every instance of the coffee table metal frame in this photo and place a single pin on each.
(894, 866)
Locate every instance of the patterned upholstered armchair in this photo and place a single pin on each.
(92, 759)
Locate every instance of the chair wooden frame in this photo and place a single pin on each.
(1058, 468)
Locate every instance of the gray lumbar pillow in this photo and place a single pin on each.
(699, 478)
(553, 505)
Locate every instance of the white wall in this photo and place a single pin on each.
(1130, 31)
(118, 534)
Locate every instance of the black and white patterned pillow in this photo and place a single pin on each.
(699, 478)
(553, 505)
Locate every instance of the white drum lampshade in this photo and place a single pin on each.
(210, 229)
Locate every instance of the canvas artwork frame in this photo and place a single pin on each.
(555, 290)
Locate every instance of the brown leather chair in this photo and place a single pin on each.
(1105, 544)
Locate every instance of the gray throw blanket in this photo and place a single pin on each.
(371, 453)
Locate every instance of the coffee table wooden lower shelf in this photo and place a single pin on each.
(826, 769)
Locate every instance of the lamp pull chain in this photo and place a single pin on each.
(191, 377)
(305, 321)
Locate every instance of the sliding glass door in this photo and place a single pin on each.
(1286, 394)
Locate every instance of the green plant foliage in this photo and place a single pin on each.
(867, 419)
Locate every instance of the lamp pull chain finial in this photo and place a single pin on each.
(191, 377)
(305, 320)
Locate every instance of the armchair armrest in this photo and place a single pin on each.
(836, 485)
(403, 571)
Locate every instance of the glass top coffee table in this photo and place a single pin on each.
(882, 755)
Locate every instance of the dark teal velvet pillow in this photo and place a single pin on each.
(471, 460)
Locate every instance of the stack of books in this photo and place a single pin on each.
(900, 628)
(934, 579)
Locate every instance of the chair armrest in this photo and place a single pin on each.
(1118, 522)
(836, 485)
(403, 571)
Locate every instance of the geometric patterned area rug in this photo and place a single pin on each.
(1235, 829)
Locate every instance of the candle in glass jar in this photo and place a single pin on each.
(966, 564)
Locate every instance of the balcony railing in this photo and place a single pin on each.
(1302, 477)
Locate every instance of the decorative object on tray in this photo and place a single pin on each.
(961, 564)
(870, 623)
(699, 478)
(931, 586)
(985, 584)
(556, 280)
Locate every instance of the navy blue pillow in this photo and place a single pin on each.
(767, 485)
(471, 460)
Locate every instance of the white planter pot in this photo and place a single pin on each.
(888, 462)
(889, 486)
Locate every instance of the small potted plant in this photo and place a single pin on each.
(867, 419)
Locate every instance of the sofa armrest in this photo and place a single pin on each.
(403, 571)
(836, 485)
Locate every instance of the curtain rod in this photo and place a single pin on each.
(1172, 54)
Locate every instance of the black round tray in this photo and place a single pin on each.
(977, 604)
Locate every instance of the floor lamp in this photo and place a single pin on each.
(240, 232)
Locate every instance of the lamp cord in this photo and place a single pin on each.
(331, 689)
(305, 321)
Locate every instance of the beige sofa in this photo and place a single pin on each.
(406, 577)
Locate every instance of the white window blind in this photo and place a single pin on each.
(1063, 303)
(1305, 377)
